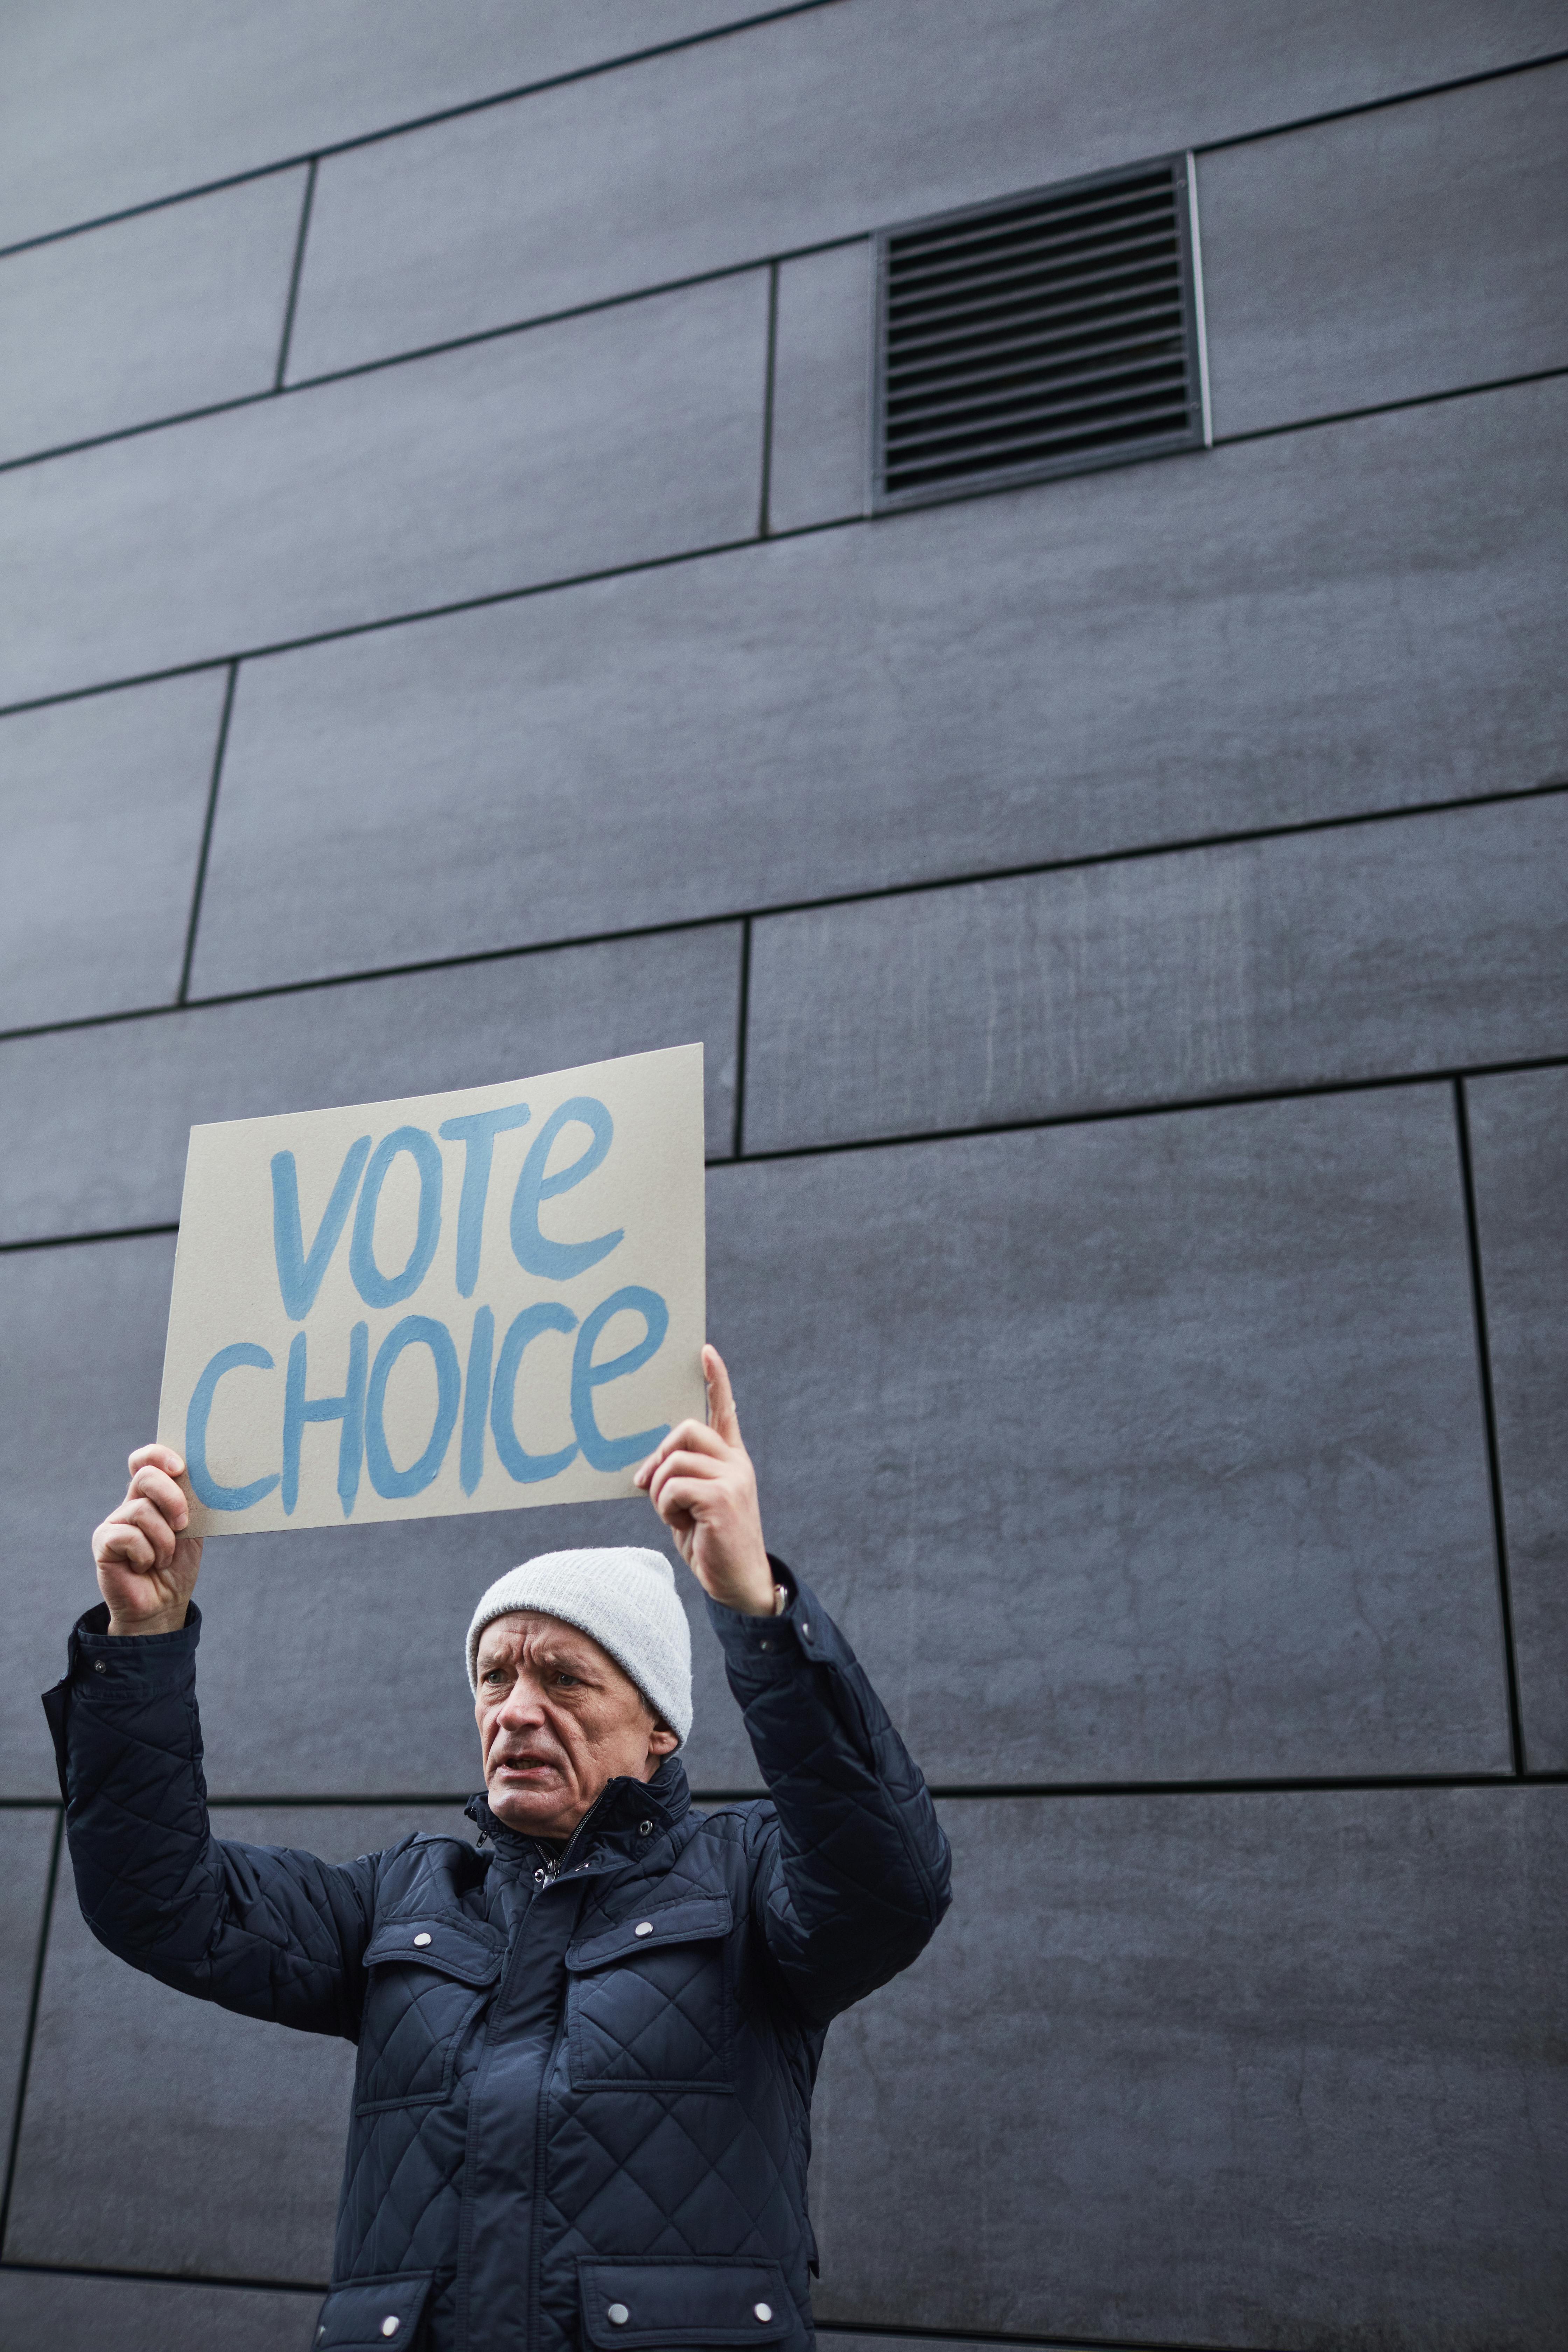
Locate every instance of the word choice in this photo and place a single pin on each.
(479, 1392)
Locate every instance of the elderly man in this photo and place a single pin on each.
(587, 2042)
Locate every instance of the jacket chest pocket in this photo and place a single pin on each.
(649, 2005)
(428, 1978)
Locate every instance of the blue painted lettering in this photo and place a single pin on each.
(476, 1132)
(476, 1399)
(414, 1330)
(527, 1468)
(535, 1253)
(299, 1275)
(378, 1289)
(204, 1486)
(349, 1408)
(614, 1452)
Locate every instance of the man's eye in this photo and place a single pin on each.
(572, 1681)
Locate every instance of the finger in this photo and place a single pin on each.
(693, 1463)
(137, 1512)
(691, 1437)
(161, 1457)
(722, 1411)
(699, 1469)
(117, 1542)
(152, 1525)
(679, 1501)
(162, 1493)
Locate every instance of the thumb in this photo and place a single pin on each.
(722, 1418)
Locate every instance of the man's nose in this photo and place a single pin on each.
(522, 1707)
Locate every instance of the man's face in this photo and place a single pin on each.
(558, 1721)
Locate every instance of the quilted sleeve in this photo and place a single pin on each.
(262, 1930)
(855, 1871)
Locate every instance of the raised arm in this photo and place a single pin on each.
(264, 1930)
(858, 1877)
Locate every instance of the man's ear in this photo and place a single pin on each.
(661, 1740)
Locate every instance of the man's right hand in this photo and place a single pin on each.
(146, 1565)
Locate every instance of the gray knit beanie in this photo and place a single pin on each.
(625, 1599)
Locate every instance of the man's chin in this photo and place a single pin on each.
(536, 1812)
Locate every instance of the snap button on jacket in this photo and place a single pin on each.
(581, 2102)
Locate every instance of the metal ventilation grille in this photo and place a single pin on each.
(1041, 335)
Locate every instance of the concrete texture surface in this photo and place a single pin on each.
(1361, 617)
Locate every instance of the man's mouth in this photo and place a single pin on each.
(517, 1767)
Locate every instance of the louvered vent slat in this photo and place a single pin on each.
(1022, 274)
(955, 420)
(1039, 335)
(942, 354)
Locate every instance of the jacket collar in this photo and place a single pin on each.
(612, 1825)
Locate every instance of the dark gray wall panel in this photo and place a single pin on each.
(102, 803)
(161, 2133)
(370, 1041)
(1395, 253)
(84, 2315)
(84, 1349)
(157, 314)
(111, 107)
(1144, 1450)
(1241, 2070)
(598, 441)
(819, 469)
(1367, 950)
(843, 2339)
(1334, 621)
(821, 126)
(1519, 1128)
(26, 1841)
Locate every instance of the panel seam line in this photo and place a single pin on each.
(403, 128)
(1408, 96)
(1196, 846)
(563, 582)
(1035, 1123)
(294, 275)
(35, 1998)
(198, 884)
(1488, 1417)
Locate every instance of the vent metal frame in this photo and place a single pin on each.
(1198, 432)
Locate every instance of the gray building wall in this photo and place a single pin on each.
(441, 638)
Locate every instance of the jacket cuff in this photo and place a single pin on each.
(768, 1649)
(102, 1667)
(100, 1661)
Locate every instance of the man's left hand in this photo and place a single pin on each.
(701, 1482)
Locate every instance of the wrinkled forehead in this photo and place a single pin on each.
(528, 1636)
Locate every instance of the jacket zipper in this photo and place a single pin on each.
(552, 1869)
(542, 2109)
(536, 2226)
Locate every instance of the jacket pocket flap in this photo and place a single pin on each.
(671, 2299)
(369, 2315)
(688, 1922)
(454, 1947)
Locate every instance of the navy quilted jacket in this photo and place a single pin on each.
(582, 2106)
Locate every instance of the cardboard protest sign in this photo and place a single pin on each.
(459, 1302)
